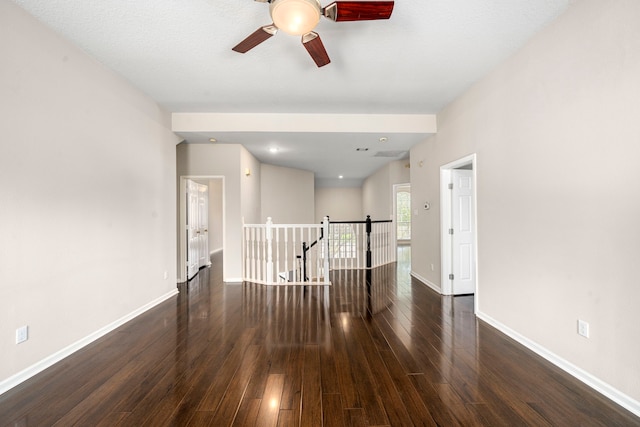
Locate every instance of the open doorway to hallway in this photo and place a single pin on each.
(201, 223)
(197, 226)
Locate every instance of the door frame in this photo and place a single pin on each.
(394, 215)
(446, 252)
(182, 223)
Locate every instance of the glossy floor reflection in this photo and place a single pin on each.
(376, 348)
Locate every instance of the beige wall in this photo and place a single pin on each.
(216, 204)
(340, 204)
(204, 160)
(287, 195)
(87, 190)
(377, 189)
(250, 186)
(241, 191)
(556, 131)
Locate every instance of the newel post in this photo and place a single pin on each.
(325, 233)
(269, 241)
(368, 241)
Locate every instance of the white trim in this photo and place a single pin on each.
(445, 225)
(426, 282)
(233, 280)
(445, 222)
(215, 251)
(595, 383)
(49, 361)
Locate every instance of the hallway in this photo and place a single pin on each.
(389, 353)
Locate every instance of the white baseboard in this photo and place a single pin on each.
(215, 251)
(427, 282)
(598, 385)
(49, 361)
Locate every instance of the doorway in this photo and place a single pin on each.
(458, 226)
(402, 213)
(197, 226)
(201, 230)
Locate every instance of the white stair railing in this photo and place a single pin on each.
(350, 245)
(305, 253)
(286, 253)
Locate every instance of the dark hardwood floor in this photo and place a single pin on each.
(392, 353)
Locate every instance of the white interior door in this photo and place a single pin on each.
(203, 225)
(462, 223)
(215, 221)
(193, 240)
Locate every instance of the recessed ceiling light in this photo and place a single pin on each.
(383, 139)
(273, 150)
(340, 177)
(212, 140)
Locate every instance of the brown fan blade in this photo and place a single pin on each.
(358, 10)
(314, 46)
(257, 37)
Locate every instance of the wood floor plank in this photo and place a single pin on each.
(199, 419)
(364, 379)
(344, 369)
(293, 384)
(270, 403)
(113, 419)
(440, 411)
(410, 397)
(391, 400)
(333, 414)
(328, 372)
(375, 348)
(247, 413)
(201, 377)
(216, 391)
(165, 393)
(228, 407)
(311, 411)
(356, 418)
(101, 396)
(386, 339)
(288, 418)
(258, 382)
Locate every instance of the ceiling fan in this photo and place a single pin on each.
(300, 17)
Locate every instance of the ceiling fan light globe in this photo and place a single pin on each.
(295, 17)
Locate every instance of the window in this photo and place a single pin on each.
(343, 241)
(403, 214)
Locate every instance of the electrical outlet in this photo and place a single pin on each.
(583, 328)
(433, 267)
(22, 334)
(166, 275)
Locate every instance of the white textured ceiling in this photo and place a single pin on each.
(179, 53)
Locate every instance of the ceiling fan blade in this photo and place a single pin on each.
(314, 46)
(358, 10)
(257, 37)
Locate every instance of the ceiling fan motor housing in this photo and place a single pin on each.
(296, 17)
